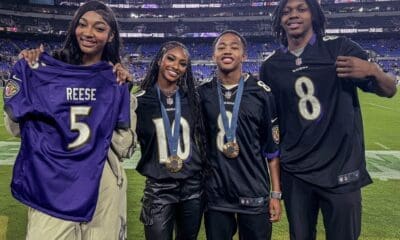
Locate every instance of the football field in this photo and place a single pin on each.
(381, 209)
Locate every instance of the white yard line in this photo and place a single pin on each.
(381, 106)
(382, 146)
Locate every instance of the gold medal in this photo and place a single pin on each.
(174, 164)
(231, 149)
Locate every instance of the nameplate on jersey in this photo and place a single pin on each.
(80, 94)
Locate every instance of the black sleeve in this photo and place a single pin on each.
(263, 74)
(271, 145)
(351, 48)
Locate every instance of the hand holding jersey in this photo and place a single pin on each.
(32, 57)
(359, 69)
(38, 99)
(352, 67)
(66, 120)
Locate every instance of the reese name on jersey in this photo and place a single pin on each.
(81, 94)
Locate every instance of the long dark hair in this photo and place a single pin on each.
(318, 20)
(187, 84)
(71, 52)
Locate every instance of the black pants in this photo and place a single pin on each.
(223, 226)
(341, 212)
(172, 204)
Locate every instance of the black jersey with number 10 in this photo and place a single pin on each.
(153, 139)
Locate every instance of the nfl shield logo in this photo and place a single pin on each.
(298, 61)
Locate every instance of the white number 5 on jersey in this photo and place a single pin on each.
(82, 128)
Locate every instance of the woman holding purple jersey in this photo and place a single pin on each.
(92, 41)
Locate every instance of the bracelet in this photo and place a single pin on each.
(275, 195)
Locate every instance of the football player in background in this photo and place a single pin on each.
(242, 188)
(65, 110)
(315, 80)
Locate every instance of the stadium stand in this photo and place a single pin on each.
(145, 24)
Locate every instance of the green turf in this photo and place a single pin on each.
(4, 136)
(381, 118)
(381, 211)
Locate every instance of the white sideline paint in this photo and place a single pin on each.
(379, 168)
(380, 106)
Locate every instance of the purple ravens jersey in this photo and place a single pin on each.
(240, 184)
(320, 117)
(67, 114)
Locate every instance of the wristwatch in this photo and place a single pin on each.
(275, 195)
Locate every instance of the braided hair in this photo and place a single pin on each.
(187, 84)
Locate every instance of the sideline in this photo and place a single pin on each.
(383, 165)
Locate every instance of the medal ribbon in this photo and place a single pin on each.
(230, 129)
(172, 137)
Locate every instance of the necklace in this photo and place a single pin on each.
(168, 95)
(229, 93)
(297, 53)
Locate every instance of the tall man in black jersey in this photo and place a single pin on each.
(243, 138)
(315, 80)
